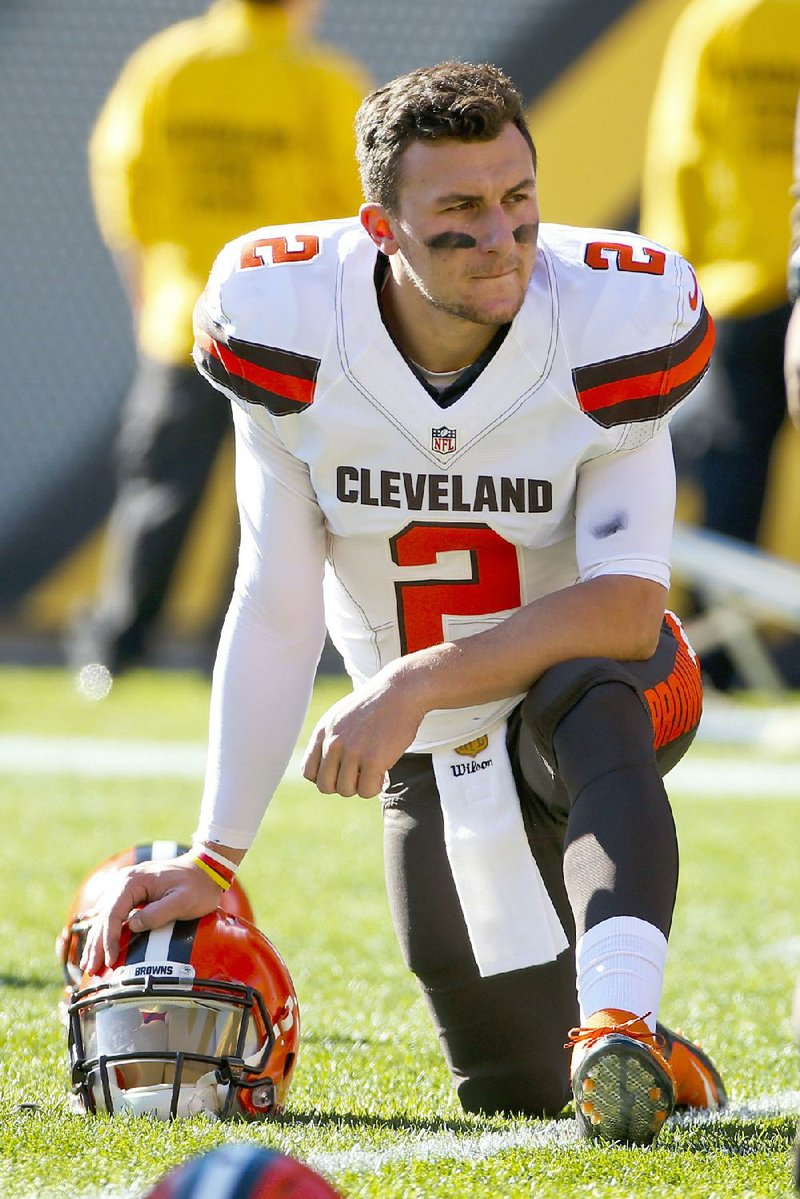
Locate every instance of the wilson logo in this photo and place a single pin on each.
(461, 768)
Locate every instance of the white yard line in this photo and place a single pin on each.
(736, 775)
(106, 758)
(96, 757)
(764, 761)
(554, 1134)
(774, 730)
(551, 1135)
(447, 1145)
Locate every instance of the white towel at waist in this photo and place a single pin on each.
(508, 912)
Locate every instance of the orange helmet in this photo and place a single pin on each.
(72, 938)
(243, 1171)
(197, 1016)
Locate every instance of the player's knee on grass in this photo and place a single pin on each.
(503, 1036)
(504, 1062)
(515, 1092)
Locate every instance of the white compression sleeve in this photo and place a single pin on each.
(625, 510)
(271, 641)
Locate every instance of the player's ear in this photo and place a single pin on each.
(378, 224)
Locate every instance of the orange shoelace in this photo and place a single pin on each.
(588, 1035)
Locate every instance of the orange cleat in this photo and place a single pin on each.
(621, 1080)
(698, 1082)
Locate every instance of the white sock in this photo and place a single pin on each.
(620, 964)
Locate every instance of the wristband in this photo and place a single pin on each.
(219, 869)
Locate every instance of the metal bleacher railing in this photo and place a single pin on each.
(743, 591)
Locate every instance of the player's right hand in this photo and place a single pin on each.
(160, 892)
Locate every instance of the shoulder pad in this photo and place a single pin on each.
(263, 320)
(638, 332)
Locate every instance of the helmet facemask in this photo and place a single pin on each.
(156, 1040)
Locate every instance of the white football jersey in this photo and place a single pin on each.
(438, 522)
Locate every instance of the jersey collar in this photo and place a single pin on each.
(446, 396)
(503, 378)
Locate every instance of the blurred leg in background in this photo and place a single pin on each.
(725, 434)
(173, 426)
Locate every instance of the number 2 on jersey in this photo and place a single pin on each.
(274, 251)
(600, 253)
(491, 586)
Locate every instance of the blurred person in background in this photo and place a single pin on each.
(792, 371)
(227, 121)
(717, 174)
(792, 350)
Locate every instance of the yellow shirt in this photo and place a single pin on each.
(215, 126)
(719, 157)
(796, 184)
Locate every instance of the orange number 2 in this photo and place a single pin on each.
(492, 584)
(273, 251)
(599, 253)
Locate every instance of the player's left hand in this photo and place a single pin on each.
(146, 896)
(361, 737)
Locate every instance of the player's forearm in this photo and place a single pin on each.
(612, 616)
(262, 684)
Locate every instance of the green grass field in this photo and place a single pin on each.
(371, 1106)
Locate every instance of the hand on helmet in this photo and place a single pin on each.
(161, 892)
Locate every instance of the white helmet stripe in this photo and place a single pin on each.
(158, 944)
(163, 851)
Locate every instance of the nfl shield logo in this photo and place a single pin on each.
(443, 440)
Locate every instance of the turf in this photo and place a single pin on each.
(372, 1105)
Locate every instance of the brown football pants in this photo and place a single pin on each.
(609, 731)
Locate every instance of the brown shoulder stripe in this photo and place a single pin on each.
(645, 386)
(279, 380)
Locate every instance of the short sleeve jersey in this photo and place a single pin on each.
(440, 522)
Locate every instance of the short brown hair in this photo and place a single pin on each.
(459, 100)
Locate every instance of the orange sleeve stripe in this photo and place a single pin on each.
(274, 382)
(646, 386)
